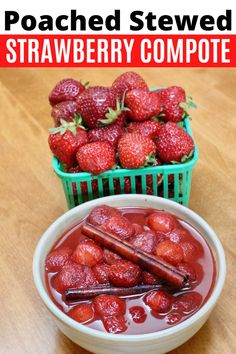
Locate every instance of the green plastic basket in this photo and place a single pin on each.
(174, 181)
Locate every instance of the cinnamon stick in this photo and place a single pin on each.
(88, 293)
(154, 265)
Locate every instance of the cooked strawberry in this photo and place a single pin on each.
(124, 273)
(96, 157)
(57, 259)
(73, 275)
(134, 150)
(189, 251)
(179, 234)
(111, 133)
(98, 105)
(174, 144)
(66, 89)
(64, 110)
(171, 252)
(82, 313)
(115, 324)
(138, 314)
(87, 253)
(100, 214)
(109, 305)
(188, 270)
(64, 141)
(101, 273)
(142, 104)
(159, 301)
(119, 226)
(161, 221)
(145, 241)
(128, 81)
(188, 302)
(171, 98)
(110, 257)
(148, 128)
(150, 279)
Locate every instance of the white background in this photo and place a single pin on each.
(106, 7)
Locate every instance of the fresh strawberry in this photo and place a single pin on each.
(64, 141)
(128, 81)
(174, 144)
(148, 128)
(83, 185)
(66, 89)
(64, 110)
(96, 157)
(171, 98)
(134, 150)
(111, 133)
(142, 104)
(150, 178)
(82, 313)
(98, 105)
(117, 185)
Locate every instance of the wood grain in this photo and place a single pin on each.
(32, 197)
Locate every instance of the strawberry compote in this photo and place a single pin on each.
(76, 261)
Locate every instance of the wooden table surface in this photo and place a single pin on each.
(31, 196)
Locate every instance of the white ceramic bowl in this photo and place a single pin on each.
(106, 343)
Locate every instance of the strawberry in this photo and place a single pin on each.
(64, 110)
(64, 141)
(98, 106)
(134, 150)
(128, 81)
(57, 259)
(138, 314)
(101, 271)
(101, 214)
(111, 133)
(174, 103)
(82, 313)
(120, 226)
(117, 185)
(161, 221)
(83, 185)
(87, 253)
(159, 301)
(145, 241)
(148, 128)
(109, 306)
(115, 324)
(96, 157)
(174, 144)
(171, 252)
(66, 89)
(124, 273)
(142, 104)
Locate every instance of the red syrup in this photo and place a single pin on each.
(139, 317)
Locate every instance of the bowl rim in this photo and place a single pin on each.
(207, 307)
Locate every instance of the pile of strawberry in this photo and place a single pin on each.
(126, 125)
